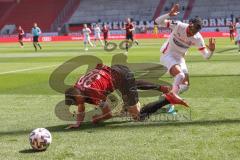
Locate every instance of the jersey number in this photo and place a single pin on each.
(88, 79)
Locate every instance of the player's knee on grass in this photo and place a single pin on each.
(131, 104)
(134, 111)
(106, 113)
(106, 110)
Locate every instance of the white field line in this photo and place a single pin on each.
(27, 69)
(52, 54)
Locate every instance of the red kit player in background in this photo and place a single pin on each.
(20, 36)
(231, 31)
(105, 34)
(129, 27)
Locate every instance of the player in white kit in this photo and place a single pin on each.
(238, 34)
(86, 34)
(97, 34)
(183, 36)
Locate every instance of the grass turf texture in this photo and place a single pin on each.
(27, 102)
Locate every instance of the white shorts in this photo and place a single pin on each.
(238, 37)
(169, 60)
(97, 36)
(86, 39)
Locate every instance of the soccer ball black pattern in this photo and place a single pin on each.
(40, 139)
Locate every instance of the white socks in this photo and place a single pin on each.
(183, 88)
(177, 81)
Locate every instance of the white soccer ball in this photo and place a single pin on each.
(40, 139)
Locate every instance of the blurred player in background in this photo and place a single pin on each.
(155, 30)
(231, 31)
(86, 34)
(105, 34)
(20, 36)
(129, 27)
(237, 41)
(182, 37)
(36, 31)
(97, 34)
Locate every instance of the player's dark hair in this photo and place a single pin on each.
(70, 95)
(197, 22)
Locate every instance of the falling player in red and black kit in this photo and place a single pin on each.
(129, 27)
(20, 36)
(231, 31)
(105, 34)
(94, 87)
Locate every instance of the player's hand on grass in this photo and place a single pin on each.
(174, 11)
(211, 45)
(72, 126)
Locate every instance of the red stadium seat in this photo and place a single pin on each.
(25, 13)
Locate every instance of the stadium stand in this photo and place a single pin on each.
(119, 10)
(113, 10)
(169, 3)
(159, 8)
(26, 12)
(76, 12)
(65, 14)
(213, 9)
(5, 8)
(188, 9)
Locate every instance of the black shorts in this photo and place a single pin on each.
(35, 39)
(105, 37)
(129, 36)
(20, 37)
(124, 81)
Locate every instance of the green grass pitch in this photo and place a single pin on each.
(27, 102)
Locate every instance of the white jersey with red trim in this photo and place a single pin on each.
(86, 32)
(238, 31)
(178, 42)
(238, 28)
(97, 31)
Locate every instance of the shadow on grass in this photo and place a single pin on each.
(26, 151)
(88, 127)
(228, 49)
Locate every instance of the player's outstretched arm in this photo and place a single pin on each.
(80, 116)
(174, 10)
(163, 20)
(212, 44)
(207, 53)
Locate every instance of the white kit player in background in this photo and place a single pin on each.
(97, 34)
(183, 36)
(238, 34)
(86, 34)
